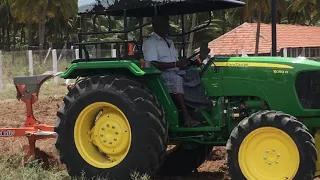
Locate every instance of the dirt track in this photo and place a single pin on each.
(12, 114)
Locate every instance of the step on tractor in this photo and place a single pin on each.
(118, 116)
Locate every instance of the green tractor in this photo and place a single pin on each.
(118, 117)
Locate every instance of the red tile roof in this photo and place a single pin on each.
(244, 37)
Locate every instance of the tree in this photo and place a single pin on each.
(259, 7)
(24, 11)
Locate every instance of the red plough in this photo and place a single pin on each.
(28, 91)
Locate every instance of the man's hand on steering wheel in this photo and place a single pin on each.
(197, 62)
(183, 63)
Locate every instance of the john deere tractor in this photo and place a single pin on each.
(118, 117)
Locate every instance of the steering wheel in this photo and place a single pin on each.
(204, 51)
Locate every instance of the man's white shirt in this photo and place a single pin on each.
(155, 48)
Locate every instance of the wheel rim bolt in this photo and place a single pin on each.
(276, 162)
(265, 158)
(116, 133)
(113, 127)
(278, 155)
(274, 150)
(267, 151)
(110, 142)
(115, 139)
(269, 163)
(102, 129)
(101, 135)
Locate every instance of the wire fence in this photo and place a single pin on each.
(35, 62)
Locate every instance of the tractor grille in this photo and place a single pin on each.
(308, 89)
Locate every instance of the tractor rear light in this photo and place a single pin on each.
(69, 87)
(130, 49)
(199, 60)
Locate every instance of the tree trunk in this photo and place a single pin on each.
(9, 21)
(258, 31)
(3, 34)
(8, 36)
(193, 24)
(185, 19)
(42, 21)
(225, 24)
(8, 32)
(14, 42)
(29, 29)
(289, 18)
(14, 36)
(22, 35)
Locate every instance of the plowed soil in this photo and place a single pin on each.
(12, 114)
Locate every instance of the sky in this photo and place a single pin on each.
(84, 2)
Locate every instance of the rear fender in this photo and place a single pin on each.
(100, 67)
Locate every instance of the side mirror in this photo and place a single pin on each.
(204, 51)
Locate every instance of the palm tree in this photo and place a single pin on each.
(309, 10)
(24, 11)
(259, 7)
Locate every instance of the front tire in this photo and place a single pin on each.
(131, 129)
(271, 145)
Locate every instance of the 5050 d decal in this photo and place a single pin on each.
(280, 71)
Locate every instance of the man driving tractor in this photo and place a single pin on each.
(159, 49)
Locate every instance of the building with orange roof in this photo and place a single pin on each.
(292, 41)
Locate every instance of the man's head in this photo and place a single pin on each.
(160, 25)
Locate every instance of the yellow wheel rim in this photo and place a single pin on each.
(102, 135)
(268, 153)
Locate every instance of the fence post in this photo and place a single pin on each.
(77, 54)
(55, 64)
(1, 78)
(30, 62)
(72, 55)
(285, 52)
(98, 51)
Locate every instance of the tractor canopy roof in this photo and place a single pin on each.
(146, 8)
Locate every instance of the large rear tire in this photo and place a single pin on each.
(130, 134)
(182, 162)
(271, 145)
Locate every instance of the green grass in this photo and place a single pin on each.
(48, 89)
(12, 168)
(18, 66)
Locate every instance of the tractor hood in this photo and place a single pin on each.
(286, 84)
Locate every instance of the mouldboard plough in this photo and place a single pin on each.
(28, 89)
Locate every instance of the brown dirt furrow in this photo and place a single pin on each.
(12, 114)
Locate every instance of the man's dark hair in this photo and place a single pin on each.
(159, 18)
